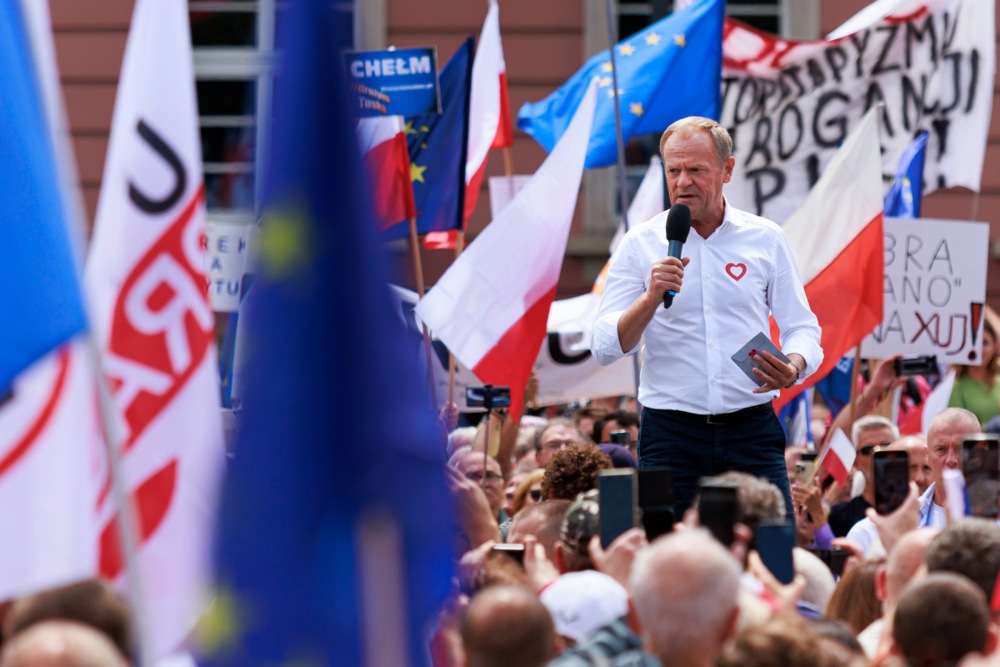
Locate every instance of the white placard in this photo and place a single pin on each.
(227, 255)
(935, 290)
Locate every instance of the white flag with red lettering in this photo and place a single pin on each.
(146, 282)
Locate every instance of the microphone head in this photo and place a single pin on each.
(678, 223)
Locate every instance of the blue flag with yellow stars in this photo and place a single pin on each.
(438, 145)
(335, 531)
(670, 70)
(904, 196)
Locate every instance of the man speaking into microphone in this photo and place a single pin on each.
(702, 415)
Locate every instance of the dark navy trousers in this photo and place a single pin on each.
(749, 440)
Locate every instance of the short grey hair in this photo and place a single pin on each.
(872, 423)
(685, 587)
(688, 126)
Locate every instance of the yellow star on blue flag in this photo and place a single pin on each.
(666, 79)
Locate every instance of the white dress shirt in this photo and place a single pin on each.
(738, 275)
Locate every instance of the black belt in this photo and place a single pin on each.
(726, 417)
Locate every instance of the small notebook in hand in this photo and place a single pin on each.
(758, 343)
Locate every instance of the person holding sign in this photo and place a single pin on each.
(707, 397)
(976, 388)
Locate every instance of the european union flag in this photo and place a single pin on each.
(438, 144)
(904, 195)
(40, 295)
(335, 531)
(670, 70)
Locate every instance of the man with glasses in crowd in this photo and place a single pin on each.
(868, 434)
(553, 437)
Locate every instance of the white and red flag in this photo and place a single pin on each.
(491, 306)
(146, 282)
(489, 118)
(387, 162)
(836, 238)
(838, 459)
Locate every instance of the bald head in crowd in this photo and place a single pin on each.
(940, 619)
(505, 626)
(684, 589)
(61, 644)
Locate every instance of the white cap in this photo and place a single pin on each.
(583, 602)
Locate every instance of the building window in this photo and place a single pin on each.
(232, 43)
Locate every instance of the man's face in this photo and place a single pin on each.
(694, 175)
(920, 467)
(944, 446)
(867, 442)
(472, 467)
(553, 439)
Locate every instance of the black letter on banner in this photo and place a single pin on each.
(167, 153)
(761, 135)
(838, 122)
(759, 196)
(793, 111)
(974, 79)
(748, 82)
(879, 64)
(836, 58)
(560, 357)
(861, 45)
(914, 34)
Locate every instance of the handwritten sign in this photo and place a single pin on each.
(934, 289)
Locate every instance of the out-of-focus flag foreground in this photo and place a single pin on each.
(334, 540)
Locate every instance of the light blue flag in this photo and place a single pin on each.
(904, 195)
(670, 70)
(40, 300)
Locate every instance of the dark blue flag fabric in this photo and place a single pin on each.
(670, 70)
(905, 194)
(438, 144)
(40, 298)
(835, 388)
(334, 539)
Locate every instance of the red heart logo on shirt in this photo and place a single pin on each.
(736, 271)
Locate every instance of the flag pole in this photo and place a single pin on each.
(459, 246)
(418, 270)
(620, 140)
(854, 384)
(128, 518)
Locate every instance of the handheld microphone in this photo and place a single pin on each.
(678, 228)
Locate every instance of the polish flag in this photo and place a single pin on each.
(387, 163)
(145, 277)
(838, 459)
(489, 119)
(836, 238)
(491, 306)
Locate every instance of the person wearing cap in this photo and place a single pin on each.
(583, 602)
(702, 415)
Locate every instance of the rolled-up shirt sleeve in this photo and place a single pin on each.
(800, 330)
(624, 284)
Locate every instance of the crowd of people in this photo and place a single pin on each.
(536, 586)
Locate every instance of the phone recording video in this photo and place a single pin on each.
(656, 501)
(618, 498)
(981, 469)
(775, 542)
(891, 470)
(717, 510)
